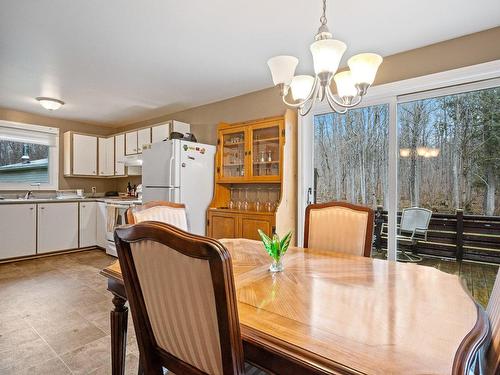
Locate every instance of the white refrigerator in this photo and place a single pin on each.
(181, 172)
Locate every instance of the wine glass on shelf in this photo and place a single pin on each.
(238, 199)
(245, 204)
(231, 203)
(258, 203)
(269, 203)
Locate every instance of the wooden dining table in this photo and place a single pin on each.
(331, 313)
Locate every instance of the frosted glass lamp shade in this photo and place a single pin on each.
(345, 84)
(326, 55)
(301, 86)
(282, 68)
(364, 67)
(50, 103)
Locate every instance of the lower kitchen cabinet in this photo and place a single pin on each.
(101, 225)
(18, 230)
(88, 224)
(57, 226)
(224, 223)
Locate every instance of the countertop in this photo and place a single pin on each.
(67, 200)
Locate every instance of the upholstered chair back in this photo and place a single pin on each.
(493, 311)
(166, 212)
(181, 292)
(339, 226)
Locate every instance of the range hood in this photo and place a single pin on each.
(133, 164)
(132, 160)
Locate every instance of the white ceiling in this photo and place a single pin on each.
(117, 61)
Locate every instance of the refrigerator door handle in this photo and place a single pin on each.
(171, 164)
(160, 187)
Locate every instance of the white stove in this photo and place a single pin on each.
(115, 216)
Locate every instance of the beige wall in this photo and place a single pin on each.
(102, 185)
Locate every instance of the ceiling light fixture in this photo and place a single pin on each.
(327, 52)
(50, 103)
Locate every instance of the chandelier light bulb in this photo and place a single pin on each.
(282, 69)
(345, 84)
(301, 87)
(327, 54)
(364, 67)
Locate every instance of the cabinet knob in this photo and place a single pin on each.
(31, 208)
(42, 208)
(93, 172)
(83, 205)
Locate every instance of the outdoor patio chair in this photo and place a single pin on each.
(413, 227)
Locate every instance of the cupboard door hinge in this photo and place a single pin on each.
(218, 141)
(282, 132)
(218, 169)
(208, 222)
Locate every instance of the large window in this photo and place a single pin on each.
(351, 154)
(28, 156)
(450, 152)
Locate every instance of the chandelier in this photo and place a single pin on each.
(327, 52)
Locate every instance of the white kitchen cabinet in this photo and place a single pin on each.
(161, 132)
(131, 143)
(119, 154)
(106, 156)
(57, 226)
(17, 230)
(143, 138)
(88, 224)
(80, 154)
(101, 224)
(84, 155)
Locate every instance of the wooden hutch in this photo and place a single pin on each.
(255, 178)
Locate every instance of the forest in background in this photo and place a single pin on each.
(463, 131)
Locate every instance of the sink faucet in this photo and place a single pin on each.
(28, 195)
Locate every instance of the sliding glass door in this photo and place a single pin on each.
(449, 169)
(436, 149)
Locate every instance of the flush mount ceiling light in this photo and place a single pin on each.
(327, 53)
(50, 103)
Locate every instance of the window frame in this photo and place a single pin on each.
(53, 157)
(470, 78)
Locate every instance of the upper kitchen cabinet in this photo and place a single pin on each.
(119, 155)
(80, 154)
(131, 143)
(162, 131)
(135, 140)
(106, 156)
(143, 138)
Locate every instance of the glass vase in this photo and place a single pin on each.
(276, 265)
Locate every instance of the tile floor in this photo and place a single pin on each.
(54, 317)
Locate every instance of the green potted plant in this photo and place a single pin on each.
(276, 248)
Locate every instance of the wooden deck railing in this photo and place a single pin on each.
(459, 236)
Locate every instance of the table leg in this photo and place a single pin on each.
(119, 317)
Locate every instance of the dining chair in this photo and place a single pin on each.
(166, 212)
(339, 226)
(493, 311)
(182, 297)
